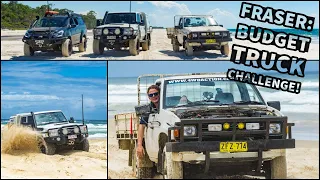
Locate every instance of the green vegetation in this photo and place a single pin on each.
(15, 15)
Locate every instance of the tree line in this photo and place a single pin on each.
(15, 15)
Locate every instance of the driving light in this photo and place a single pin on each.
(53, 132)
(194, 35)
(45, 135)
(176, 133)
(226, 126)
(117, 31)
(240, 125)
(274, 128)
(124, 37)
(76, 130)
(189, 130)
(98, 31)
(106, 31)
(65, 131)
(214, 127)
(224, 34)
(203, 34)
(252, 126)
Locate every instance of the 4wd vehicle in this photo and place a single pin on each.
(194, 32)
(56, 32)
(207, 123)
(117, 30)
(56, 130)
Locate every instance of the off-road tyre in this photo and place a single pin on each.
(276, 168)
(142, 172)
(27, 50)
(134, 46)
(98, 47)
(172, 169)
(67, 48)
(225, 50)
(188, 50)
(47, 148)
(83, 45)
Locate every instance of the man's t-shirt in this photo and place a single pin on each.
(144, 119)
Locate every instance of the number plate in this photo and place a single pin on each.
(210, 41)
(111, 37)
(233, 146)
(39, 41)
(72, 137)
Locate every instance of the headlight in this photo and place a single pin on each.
(97, 31)
(76, 130)
(117, 31)
(217, 33)
(83, 129)
(53, 132)
(58, 34)
(27, 35)
(194, 35)
(274, 128)
(189, 131)
(225, 34)
(127, 31)
(106, 31)
(65, 131)
(252, 126)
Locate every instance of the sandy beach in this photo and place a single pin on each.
(302, 162)
(161, 49)
(64, 165)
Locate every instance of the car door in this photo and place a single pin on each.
(180, 31)
(142, 26)
(151, 136)
(77, 31)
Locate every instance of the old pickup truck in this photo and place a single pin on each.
(208, 123)
(198, 32)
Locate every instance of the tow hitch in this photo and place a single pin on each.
(71, 142)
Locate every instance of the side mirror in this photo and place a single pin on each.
(150, 28)
(143, 109)
(39, 129)
(73, 25)
(98, 22)
(274, 104)
(37, 17)
(220, 25)
(71, 120)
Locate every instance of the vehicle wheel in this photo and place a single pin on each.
(175, 45)
(140, 172)
(276, 168)
(28, 51)
(98, 48)
(172, 169)
(67, 48)
(83, 45)
(188, 49)
(225, 50)
(47, 148)
(145, 46)
(134, 46)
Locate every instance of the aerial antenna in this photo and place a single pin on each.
(130, 16)
(49, 19)
(82, 112)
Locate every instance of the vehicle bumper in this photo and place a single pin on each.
(212, 146)
(120, 39)
(48, 44)
(63, 140)
(202, 42)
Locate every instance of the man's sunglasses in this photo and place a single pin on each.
(154, 94)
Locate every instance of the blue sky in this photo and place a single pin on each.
(40, 86)
(161, 13)
(137, 68)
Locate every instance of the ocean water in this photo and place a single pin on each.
(301, 109)
(314, 34)
(96, 128)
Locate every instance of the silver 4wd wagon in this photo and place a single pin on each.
(122, 29)
(55, 130)
(198, 32)
(207, 123)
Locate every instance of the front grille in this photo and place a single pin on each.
(40, 35)
(209, 35)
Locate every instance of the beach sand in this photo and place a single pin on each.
(302, 161)
(64, 165)
(161, 49)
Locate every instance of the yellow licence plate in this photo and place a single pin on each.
(210, 41)
(233, 146)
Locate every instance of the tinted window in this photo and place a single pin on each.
(76, 21)
(138, 18)
(24, 120)
(80, 21)
(121, 18)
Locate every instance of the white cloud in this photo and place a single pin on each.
(179, 8)
(140, 2)
(226, 18)
(28, 97)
